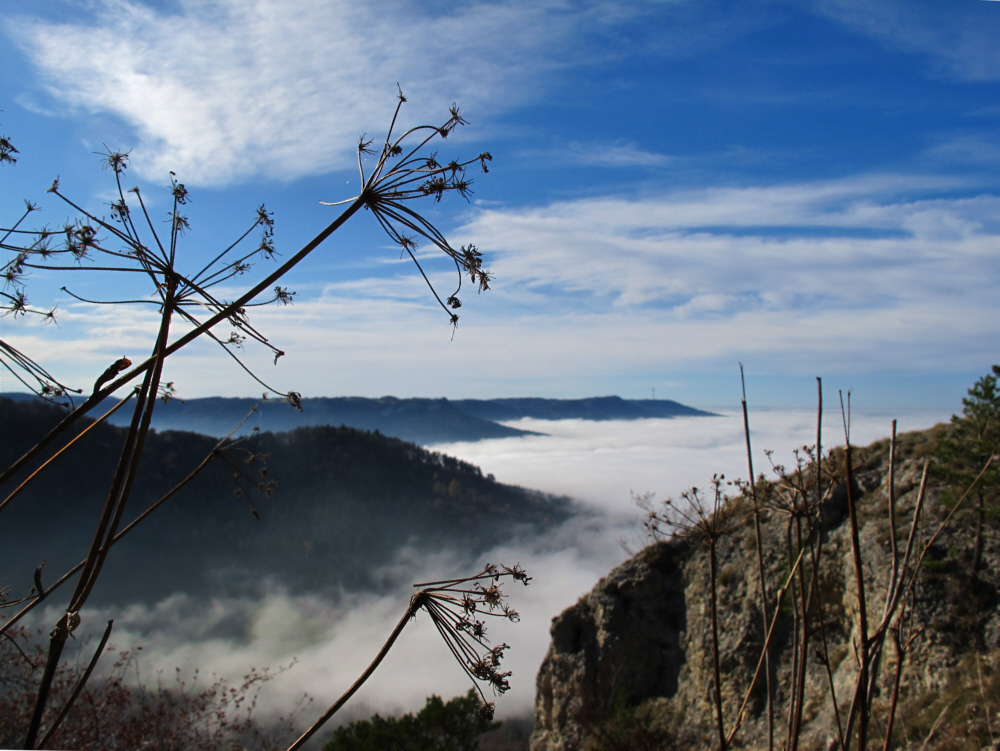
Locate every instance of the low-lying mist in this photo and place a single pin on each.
(599, 463)
(332, 639)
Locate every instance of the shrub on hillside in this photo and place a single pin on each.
(440, 726)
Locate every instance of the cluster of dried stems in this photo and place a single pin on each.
(799, 495)
(128, 245)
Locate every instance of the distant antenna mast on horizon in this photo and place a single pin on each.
(654, 392)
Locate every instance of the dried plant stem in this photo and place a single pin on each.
(878, 638)
(57, 641)
(911, 539)
(760, 567)
(111, 515)
(715, 646)
(416, 602)
(816, 551)
(900, 657)
(384, 192)
(826, 649)
(56, 455)
(890, 623)
(79, 685)
(187, 338)
(894, 575)
(796, 644)
(763, 654)
(54, 433)
(954, 510)
(819, 449)
(936, 725)
(125, 530)
(859, 705)
(799, 683)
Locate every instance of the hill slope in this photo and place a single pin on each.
(344, 502)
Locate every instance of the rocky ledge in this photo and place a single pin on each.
(631, 664)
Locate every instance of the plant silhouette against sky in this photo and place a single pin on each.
(128, 245)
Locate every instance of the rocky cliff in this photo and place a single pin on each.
(631, 664)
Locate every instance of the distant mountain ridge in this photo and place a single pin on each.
(418, 420)
(592, 408)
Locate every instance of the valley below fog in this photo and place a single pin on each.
(331, 636)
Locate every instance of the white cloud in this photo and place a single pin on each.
(967, 149)
(601, 462)
(334, 640)
(803, 249)
(618, 153)
(813, 278)
(224, 90)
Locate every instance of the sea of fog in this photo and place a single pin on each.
(332, 642)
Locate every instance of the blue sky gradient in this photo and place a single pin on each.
(809, 188)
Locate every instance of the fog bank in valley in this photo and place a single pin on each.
(332, 640)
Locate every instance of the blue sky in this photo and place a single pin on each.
(809, 188)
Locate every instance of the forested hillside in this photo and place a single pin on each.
(332, 506)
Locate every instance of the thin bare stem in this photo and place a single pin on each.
(761, 660)
(800, 677)
(817, 554)
(760, 567)
(416, 602)
(125, 530)
(111, 515)
(715, 648)
(183, 341)
(936, 725)
(900, 657)
(861, 698)
(79, 685)
(56, 455)
(894, 575)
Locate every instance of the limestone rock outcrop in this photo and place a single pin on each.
(630, 664)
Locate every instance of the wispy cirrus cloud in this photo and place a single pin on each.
(960, 38)
(224, 92)
(619, 153)
(967, 149)
(221, 91)
(861, 243)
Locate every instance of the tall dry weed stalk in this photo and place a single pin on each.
(127, 244)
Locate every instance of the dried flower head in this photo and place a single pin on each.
(389, 186)
(694, 514)
(454, 606)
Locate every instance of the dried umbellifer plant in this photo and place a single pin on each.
(453, 606)
(127, 244)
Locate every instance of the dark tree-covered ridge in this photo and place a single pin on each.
(344, 501)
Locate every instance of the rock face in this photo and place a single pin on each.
(626, 636)
(631, 664)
